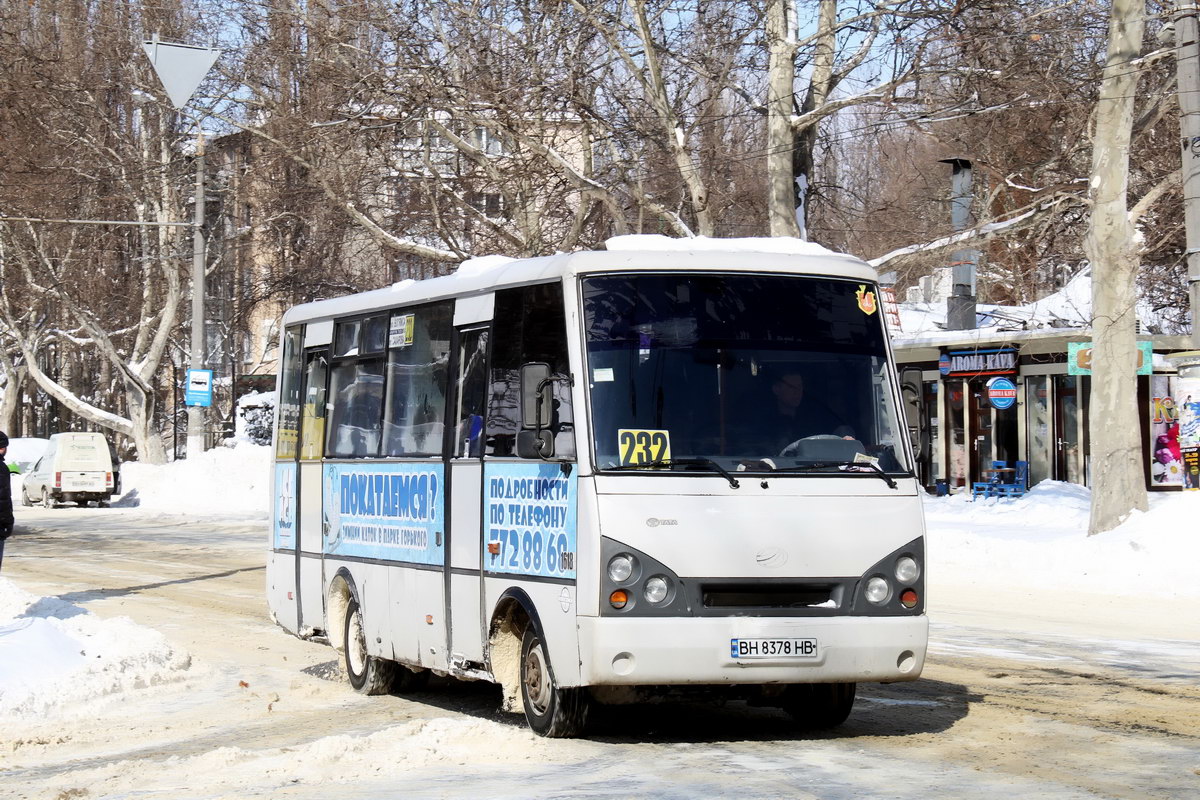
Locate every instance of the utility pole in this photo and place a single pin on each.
(195, 425)
(1187, 67)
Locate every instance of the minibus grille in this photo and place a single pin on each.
(759, 595)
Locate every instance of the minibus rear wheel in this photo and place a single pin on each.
(368, 674)
(551, 711)
(819, 706)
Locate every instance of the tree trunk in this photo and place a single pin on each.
(1117, 481)
(12, 396)
(819, 86)
(781, 192)
(144, 434)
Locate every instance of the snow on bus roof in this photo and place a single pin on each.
(786, 245)
(485, 273)
(474, 266)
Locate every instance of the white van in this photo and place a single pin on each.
(76, 467)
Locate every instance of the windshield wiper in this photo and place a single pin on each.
(682, 462)
(869, 465)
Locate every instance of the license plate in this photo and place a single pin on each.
(773, 648)
(82, 483)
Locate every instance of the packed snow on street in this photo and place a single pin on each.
(137, 660)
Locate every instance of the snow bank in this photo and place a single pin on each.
(443, 745)
(55, 656)
(224, 480)
(1040, 541)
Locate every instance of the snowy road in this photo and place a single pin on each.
(1018, 699)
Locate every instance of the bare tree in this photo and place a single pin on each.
(847, 48)
(1117, 483)
(91, 308)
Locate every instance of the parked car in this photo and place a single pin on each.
(76, 468)
(23, 453)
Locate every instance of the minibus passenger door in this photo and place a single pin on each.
(464, 582)
(312, 448)
(283, 560)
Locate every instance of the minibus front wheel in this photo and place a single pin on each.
(551, 711)
(819, 706)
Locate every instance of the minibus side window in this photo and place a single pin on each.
(472, 392)
(529, 326)
(289, 396)
(418, 343)
(312, 424)
(356, 395)
(356, 421)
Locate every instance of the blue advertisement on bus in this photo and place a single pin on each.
(530, 517)
(391, 512)
(283, 519)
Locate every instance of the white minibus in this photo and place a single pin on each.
(637, 468)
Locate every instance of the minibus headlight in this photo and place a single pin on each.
(878, 591)
(657, 589)
(620, 568)
(907, 569)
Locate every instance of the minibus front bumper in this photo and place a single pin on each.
(741, 650)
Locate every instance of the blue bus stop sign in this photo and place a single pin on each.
(199, 389)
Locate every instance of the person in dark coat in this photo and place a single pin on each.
(793, 415)
(6, 508)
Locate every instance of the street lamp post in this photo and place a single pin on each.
(180, 68)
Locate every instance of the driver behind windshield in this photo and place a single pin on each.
(792, 414)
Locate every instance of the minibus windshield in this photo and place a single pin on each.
(769, 373)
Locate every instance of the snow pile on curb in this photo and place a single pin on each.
(437, 744)
(224, 480)
(1040, 541)
(55, 655)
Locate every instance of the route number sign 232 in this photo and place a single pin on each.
(640, 447)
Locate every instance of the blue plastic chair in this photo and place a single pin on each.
(1018, 485)
(989, 487)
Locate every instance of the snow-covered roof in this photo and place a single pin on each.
(1065, 314)
(1069, 307)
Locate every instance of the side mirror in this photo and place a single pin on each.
(535, 444)
(537, 396)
